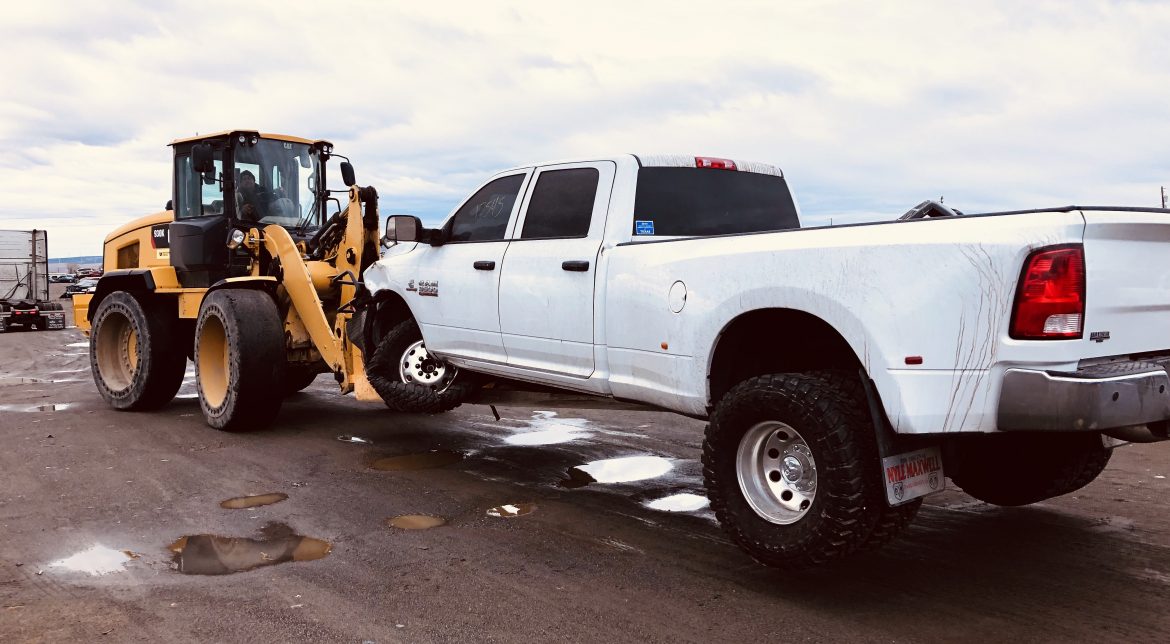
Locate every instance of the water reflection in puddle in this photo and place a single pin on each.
(626, 469)
(546, 429)
(415, 522)
(207, 554)
(254, 501)
(685, 502)
(29, 408)
(424, 461)
(346, 438)
(511, 510)
(98, 560)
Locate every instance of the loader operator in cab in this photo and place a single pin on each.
(251, 199)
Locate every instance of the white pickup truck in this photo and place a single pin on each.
(840, 367)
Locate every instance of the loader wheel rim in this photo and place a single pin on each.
(418, 367)
(213, 362)
(777, 472)
(116, 347)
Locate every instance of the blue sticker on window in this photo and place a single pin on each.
(643, 228)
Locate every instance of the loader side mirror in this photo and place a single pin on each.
(402, 228)
(347, 173)
(202, 159)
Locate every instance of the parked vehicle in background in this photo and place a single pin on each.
(24, 282)
(85, 285)
(840, 368)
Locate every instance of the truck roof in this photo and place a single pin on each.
(665, 161)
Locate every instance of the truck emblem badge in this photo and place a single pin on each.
(410, 286)
(1099, 336)
(428, 288)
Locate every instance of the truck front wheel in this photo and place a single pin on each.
(239, 360)
(1019, 469)
(133, 353)
(411, 379)
(788, 465)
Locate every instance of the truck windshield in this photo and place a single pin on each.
(277, 183)
(697, 201)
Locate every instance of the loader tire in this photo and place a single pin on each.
(134, 354)
(239, 360)
(411, 380)
(298, 376)
(789, 465)
(1020, 469)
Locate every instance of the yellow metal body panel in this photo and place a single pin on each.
(81, 312)
(304, 298)
(136, 234)
(263, 135)
(189, 303)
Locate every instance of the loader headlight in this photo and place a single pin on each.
(235, 239)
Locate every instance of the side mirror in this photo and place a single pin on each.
(170, 204)
(402, 228)
(202, 160)
(347, 173)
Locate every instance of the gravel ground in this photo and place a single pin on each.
(87, 489)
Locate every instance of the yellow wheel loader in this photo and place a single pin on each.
(244, 273)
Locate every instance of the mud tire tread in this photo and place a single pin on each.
(399, 396)
(848, 504)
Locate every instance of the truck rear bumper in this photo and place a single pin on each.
(1089, 399)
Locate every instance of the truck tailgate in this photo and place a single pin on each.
(1127, 293)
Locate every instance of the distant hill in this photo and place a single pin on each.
(84, 259)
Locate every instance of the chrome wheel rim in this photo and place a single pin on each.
(777, 472)
(418, 367)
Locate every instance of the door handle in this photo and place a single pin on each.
(485, 265)
(578, 265)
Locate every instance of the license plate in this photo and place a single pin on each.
(913, 474)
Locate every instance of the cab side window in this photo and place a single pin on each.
(561, 204)
(485, 216)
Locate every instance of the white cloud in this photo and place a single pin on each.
(869, 107)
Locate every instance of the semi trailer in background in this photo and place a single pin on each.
(24, 282)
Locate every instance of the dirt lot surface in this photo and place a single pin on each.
(94, 503)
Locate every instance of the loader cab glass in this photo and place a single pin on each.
(239, 181)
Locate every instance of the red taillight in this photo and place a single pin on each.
(1050, 300)
(711, 162)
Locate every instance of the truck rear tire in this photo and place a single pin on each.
(1020, 469)
(133, 354)
(239, 359)
(790, 468)
(409, 379)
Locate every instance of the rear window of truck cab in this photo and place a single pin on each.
(690, 202)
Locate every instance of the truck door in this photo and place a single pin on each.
(547, 283)
(455, 287)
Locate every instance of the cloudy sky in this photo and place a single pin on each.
(869, 107)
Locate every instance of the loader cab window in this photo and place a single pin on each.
(276, 183)
(195, 197)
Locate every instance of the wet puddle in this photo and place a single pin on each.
(626, 469)
(73, 345)
(21, 380)
(511, 510)
(96, 561)
(346, 438)
(254, 501)
(30, 408)
(685, 502)
(415, 522)
(423, 461)
(207, 554)
(546, 429)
